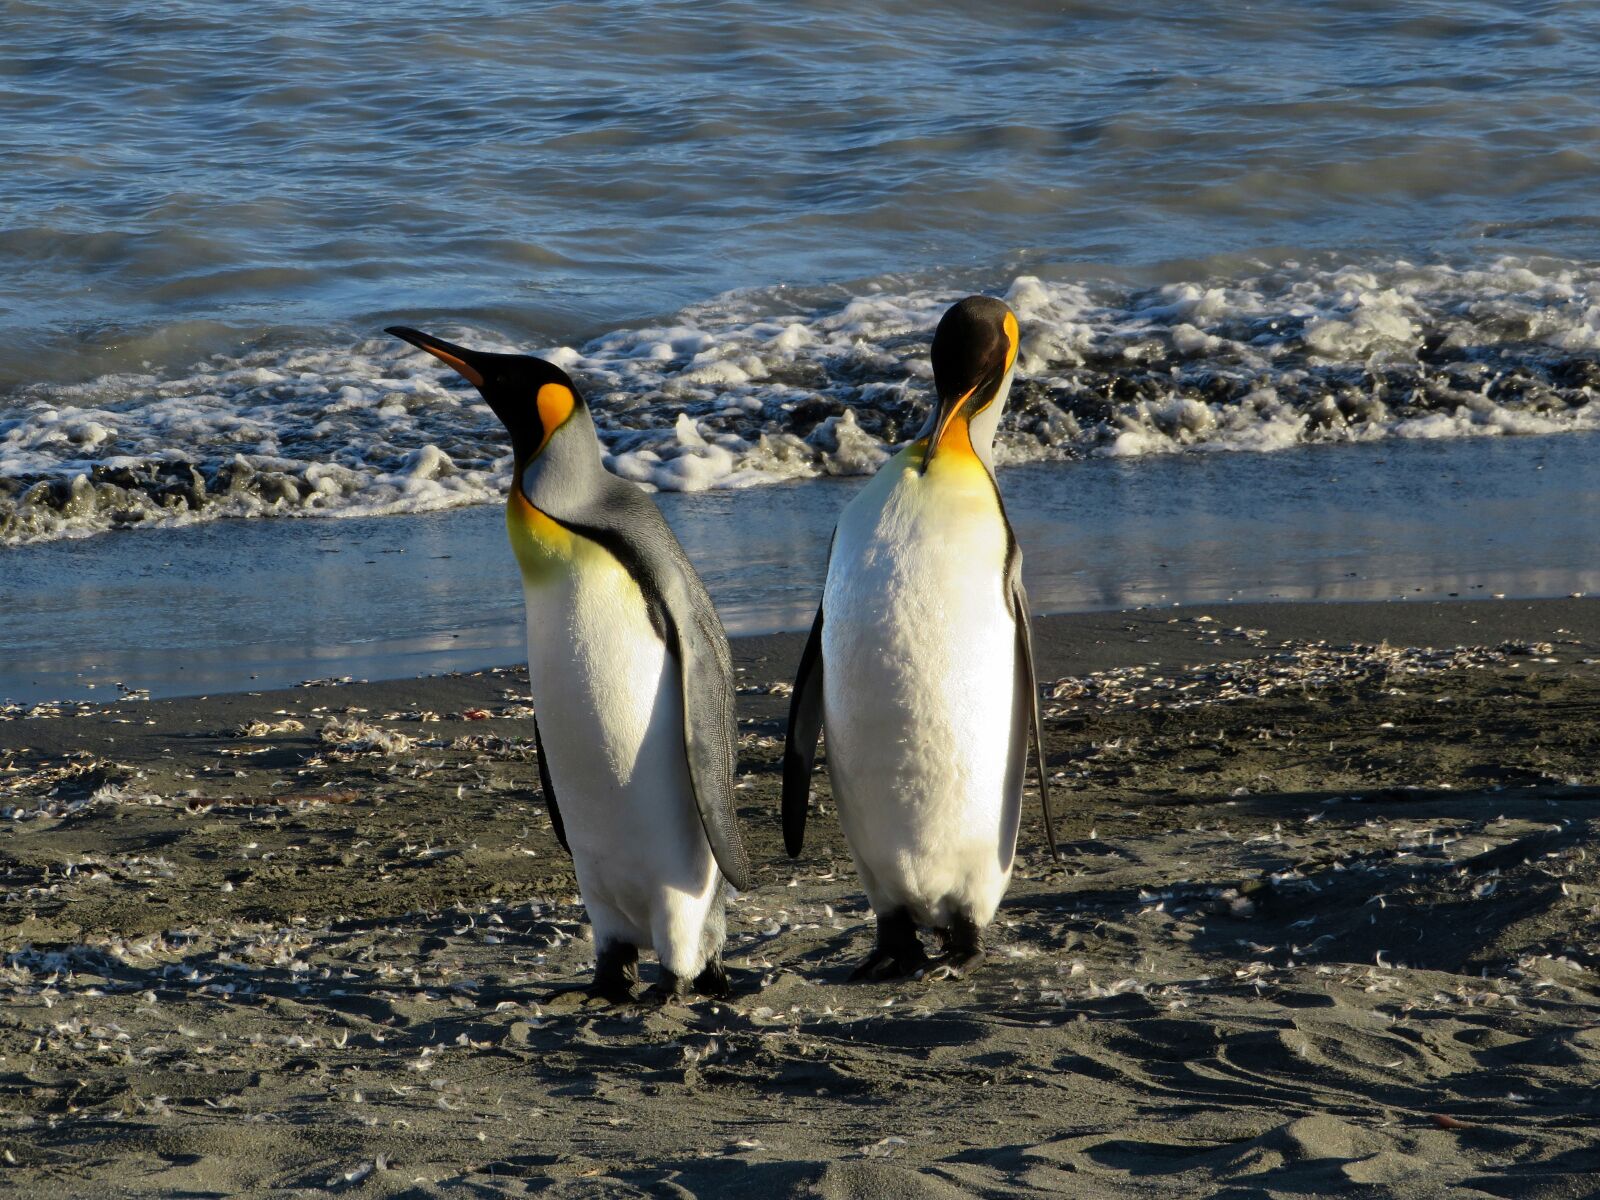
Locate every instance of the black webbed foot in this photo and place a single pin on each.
(898, 951)
(616, 973)
(713, 981)
(669, 989)
(963, 949)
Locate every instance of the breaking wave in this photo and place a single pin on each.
(763, 386)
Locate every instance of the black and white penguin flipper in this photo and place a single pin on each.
(800, 743)
(549, 790)
(1028, 701)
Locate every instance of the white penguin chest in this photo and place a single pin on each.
(920, 692)
(607, 692)
(598, 673)
(918, 637)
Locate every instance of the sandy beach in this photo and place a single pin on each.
(1325, 921)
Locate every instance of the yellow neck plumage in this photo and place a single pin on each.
(544, 547)
(954, 440)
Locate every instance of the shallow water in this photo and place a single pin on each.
(243, 605)
(760, 388)
(1222, 227)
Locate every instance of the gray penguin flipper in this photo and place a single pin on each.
(711, 734)
(1029, 680)
(627, 523)
(800, 742)
(549, 790)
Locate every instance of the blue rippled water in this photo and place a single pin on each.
(209, 208)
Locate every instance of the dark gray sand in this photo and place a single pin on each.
(1327, 920)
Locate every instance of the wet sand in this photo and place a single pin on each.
(1327, 918)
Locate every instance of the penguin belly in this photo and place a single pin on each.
(611, 718)
(919, 687)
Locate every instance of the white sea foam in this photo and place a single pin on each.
(757, 387)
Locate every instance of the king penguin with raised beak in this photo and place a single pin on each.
(632, 682)
(920, 666)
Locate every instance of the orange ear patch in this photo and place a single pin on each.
(556, 403)
(1013, 336)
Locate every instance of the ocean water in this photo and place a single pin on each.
(1223, 227)
(1293, 231)
(221, 606)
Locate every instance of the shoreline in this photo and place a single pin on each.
(270, 603)
(1068, 643)
(1324, 917)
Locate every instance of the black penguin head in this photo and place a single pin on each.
(974, 349)
(533, 398)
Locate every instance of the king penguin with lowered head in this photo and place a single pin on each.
(632, 682)
(920, 667)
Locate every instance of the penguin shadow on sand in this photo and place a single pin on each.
(1302, 878)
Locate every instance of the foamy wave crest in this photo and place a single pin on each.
(310, 432)
(771, 385)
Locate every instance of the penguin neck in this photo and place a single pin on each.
(981, 429)
(567, 476)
